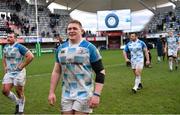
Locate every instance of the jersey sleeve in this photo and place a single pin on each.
(143, 45)
(4, 49)
(56, 54)
(166, 39)
(126, 49)
(94, 53)
(22, 49)
(177, 39)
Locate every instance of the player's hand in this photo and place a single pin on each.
(94, 101)
(147, 62)
(19, 68)
(128, 61)
(52, 99)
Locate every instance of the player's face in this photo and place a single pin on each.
(11, 38)
(170, 34)
(133, 37)
(74, 31)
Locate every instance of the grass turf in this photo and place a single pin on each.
(160, 95)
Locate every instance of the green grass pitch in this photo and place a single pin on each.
(160, 95)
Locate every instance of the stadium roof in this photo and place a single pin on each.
(98, 5)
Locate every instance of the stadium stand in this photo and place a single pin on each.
(166, 18)
(19, 15)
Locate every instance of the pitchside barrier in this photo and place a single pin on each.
(39, 45)
(36, 45)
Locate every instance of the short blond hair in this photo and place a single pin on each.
(75, 22)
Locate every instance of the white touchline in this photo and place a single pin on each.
(38, 75)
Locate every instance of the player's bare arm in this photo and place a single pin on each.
(125, 56)
(55, 76)
(147, 56)
(4, 64)
(100, 77)
(28, 58)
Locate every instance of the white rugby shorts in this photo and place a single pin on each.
(77, 105)
(17, 79)
(137, 65)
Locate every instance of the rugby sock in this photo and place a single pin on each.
(176, 62)
(21, 104)
(139, 78)
(13, 97)
(137, 81)
(178, 58)
(170, 65)
(159, 58)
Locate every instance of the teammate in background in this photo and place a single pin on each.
(160, 48)
(14, 68)
(128, 64)
(136, 48)
(75, 61)
(163, 40)
(171, 47)
(149, 47)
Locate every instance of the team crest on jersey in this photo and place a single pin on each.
(69, 60)
(62, 51)
(82, 51)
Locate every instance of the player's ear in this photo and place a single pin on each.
(82, 31)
